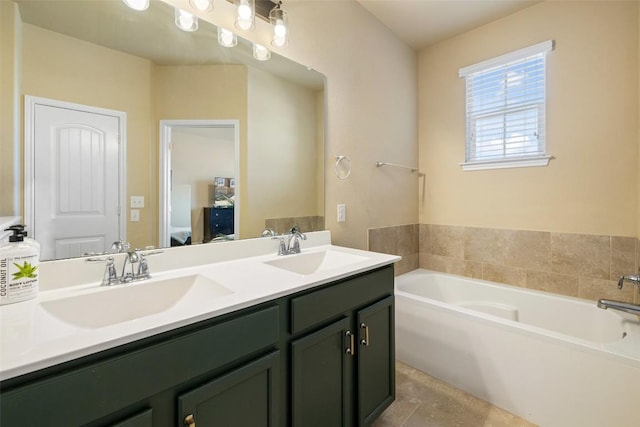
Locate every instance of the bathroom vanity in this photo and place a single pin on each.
(321, 353)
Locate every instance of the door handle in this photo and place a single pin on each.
(351, 349)
(190, 421)
(365, 342)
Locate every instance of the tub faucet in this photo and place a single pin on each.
(631, 278)
(619, 305)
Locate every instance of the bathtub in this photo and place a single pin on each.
(552, 360)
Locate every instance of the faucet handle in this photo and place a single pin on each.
(110, 275)
(282, 246)
(268, 232)
(143, 264)
(119, 246)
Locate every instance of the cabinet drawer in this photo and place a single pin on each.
(98, 389)
(325, 304)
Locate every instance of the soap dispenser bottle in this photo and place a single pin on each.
(19, 261)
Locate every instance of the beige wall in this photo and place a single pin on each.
(281, 151)
(372, 106)
(187, 92)
(592, 125)
(10, 27)
(59, 67)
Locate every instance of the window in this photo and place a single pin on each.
(505, 99)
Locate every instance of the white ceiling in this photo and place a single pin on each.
(420, 23)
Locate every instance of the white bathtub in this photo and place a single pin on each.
(555, 361)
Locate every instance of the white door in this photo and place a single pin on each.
(76, 175)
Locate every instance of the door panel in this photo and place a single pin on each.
(76, 180)
(322, 381)
(248, 396)
(376, 370)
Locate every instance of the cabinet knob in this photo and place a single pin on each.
(351, 349)
(190, 421)
(365, 341)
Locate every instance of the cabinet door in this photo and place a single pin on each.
(248, 396)
(321, 377)
(143, 419)
(376, 370)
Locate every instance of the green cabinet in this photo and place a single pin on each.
(321, 377)
(247, 396)
(320, 357)
(343, 373)
(137, 376)
(376, 355)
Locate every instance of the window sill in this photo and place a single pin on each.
(508, 163)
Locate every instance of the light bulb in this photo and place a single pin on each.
(244, 11)
(278, 18)
(246, 14)
(261, 53)
(137, 4)
(202, 5)
(186, 21)
(226, 38)
(279, 30)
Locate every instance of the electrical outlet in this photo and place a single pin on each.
(342, 212)
(135, 215)
(137, 202)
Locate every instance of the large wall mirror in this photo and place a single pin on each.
(211, 144)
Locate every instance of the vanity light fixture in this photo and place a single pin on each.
(278, 18)
(186, 21)
(261, 53)
(202, 5)
(137, 4)
(246, 14)
(227, 38)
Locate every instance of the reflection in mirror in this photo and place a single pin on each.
(101, 54)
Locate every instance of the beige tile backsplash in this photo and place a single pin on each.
(580, 265)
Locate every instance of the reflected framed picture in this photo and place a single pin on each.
(220, 182)
(232, 182)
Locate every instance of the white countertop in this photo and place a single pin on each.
(33, 339)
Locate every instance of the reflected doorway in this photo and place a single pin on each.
(199, 171)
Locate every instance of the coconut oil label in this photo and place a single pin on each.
(18, 278)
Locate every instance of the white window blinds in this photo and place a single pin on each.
(505, 105)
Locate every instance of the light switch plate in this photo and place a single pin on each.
(342, 213)
(137, 202)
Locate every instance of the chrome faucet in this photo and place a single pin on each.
(294, 240)
(132, 258)
(631, 278)
(292, 245)
(621, 305)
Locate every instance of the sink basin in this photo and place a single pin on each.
(122, 303)
(313, 262)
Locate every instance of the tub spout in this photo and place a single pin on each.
(619, 305)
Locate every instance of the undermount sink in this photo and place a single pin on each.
(121, 303)
(313, 262)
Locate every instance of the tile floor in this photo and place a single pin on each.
(423, 401)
